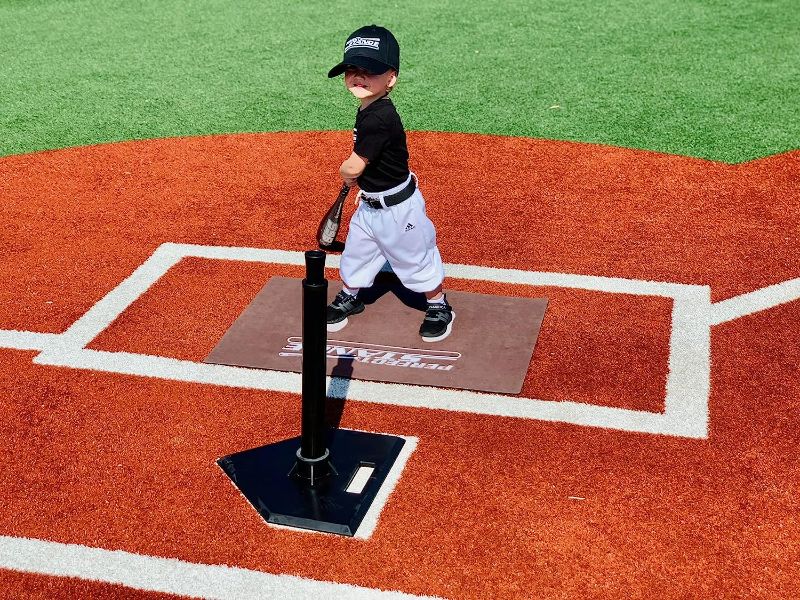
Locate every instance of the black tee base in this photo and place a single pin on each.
(269, 478)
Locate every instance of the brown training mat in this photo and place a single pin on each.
(489, 349)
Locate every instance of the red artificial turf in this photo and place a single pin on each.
(46, 587)
(77, 221)
(487, 507)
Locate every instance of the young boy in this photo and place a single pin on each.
(390, 223)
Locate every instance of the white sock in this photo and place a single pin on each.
(438, 299)
(350, 291)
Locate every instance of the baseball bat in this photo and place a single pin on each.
(329, 226)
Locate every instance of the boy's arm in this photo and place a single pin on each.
(352, 168)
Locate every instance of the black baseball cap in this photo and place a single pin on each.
(372, 48)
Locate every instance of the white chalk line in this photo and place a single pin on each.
(689, 379)
(686, 407)
(373, 391)
(687, 386)
(27, 340)
(170, 575)
(754, 302)
(681, 400)
(69, 350)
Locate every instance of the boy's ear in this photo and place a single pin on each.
(392, 79)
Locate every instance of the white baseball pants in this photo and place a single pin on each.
(402, 234)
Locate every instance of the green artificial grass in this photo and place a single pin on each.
(713, 79)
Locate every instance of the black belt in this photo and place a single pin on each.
(393, 199)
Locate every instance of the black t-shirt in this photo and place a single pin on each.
(379, 137)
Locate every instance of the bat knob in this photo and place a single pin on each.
(335, 246)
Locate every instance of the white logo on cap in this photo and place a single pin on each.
(362, 42)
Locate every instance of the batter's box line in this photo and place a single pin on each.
(687, 389)
(686, 400)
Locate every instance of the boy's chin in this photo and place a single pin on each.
(360, 92)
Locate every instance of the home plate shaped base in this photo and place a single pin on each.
(360, 463)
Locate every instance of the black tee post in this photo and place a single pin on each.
(313, 458)
(336, 473)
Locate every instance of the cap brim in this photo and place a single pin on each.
(370, 64)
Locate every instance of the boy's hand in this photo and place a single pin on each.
(352, 168)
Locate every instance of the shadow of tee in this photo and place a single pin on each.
(337, 391)
(386, 282)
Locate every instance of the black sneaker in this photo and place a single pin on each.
(342, 306)
(438, 322)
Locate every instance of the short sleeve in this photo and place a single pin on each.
(371, 137)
